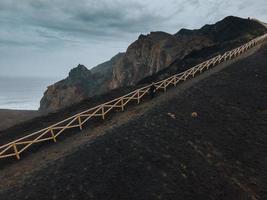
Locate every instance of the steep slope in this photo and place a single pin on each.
(221, 154)
(154, 56)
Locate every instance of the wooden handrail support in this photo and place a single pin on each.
(16, 147)
(16, 151)
(80, 122)
(53, 135)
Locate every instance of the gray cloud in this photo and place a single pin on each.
(52, 36)
(85, 19)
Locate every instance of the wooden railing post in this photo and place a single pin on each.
(208, 65)
(194, 72)
(122, 105)
(16, 151)
(138, 96)
(103, 112)
(214, 63)
(80, 122)
(53, 134)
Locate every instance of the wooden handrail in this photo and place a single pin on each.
(16, 147)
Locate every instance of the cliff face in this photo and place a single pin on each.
(65, 91)
(144, 57)
(157, 54)
(80, 84)
(152, 53)
(210, 40)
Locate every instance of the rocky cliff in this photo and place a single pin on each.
(216, 38)
(150, 57)
(80, 84)
(152, 53)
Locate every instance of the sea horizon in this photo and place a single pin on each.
(23, 93)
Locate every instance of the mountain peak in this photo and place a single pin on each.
(79, 72)
(229, 28)
(155, 35)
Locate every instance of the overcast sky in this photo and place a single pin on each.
(49, 37)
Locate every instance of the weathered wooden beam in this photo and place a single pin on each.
(16, 151)
(80, 122)
(53, 135)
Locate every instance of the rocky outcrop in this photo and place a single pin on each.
(152, 53)
(80, 84)
(155, 55)
(160, 52)
(215, 39)
(65, 91)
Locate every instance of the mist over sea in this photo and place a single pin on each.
(22, 93)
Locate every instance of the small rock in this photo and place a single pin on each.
(183, 166)
(172, 115)
(194, 114)
(164, 174)
(184, 175)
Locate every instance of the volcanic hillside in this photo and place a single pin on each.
(190, 44)
(150, 57)
(157, 150)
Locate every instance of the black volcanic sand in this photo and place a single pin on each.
(221, 154)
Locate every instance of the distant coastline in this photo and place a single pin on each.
(20, 99)
(22, 93)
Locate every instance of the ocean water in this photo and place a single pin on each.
(22, 93)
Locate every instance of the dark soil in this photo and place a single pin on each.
(167, 154)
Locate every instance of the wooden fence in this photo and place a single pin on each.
(18, 146)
